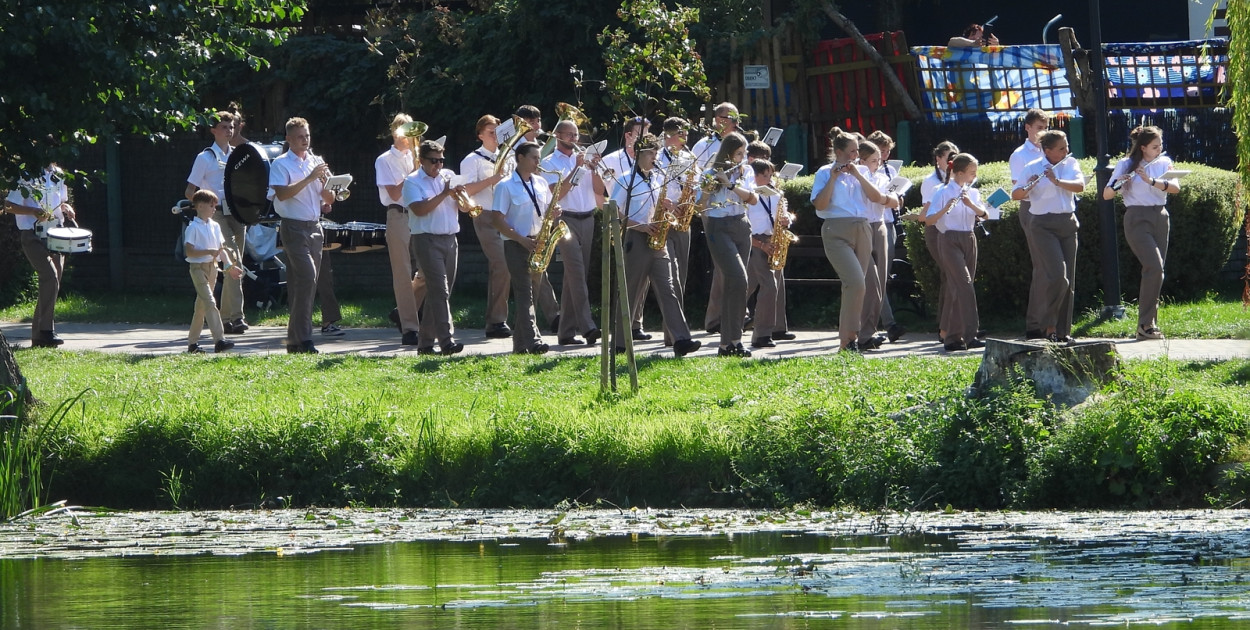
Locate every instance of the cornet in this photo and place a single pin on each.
(337, 188)
(463, 201)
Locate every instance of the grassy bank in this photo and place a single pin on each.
(533, 431)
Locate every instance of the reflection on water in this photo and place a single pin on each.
(956, 578)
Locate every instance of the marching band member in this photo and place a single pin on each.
(392, 167)
(955, 209)
(932, 238)
(724, 122)
(726, 193)
(677, 163)
(621, 162)
(297, 181)
(53, 204)
(1051, 184)
(204, 246)
(1146, 219)
(433, 223)
(885, 257)
(208, 172)
(577, 202)
(517, 212)
(545, 294)
(478, 171)
(875, 277)
(1035, 122)
(840, 195)
(636, 195)
(766, 215)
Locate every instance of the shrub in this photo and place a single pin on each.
(1206, 216)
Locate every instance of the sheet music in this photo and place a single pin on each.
(789, 170)
(772, 136)
(899, 185)
(505, 131)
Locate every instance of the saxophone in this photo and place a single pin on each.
(664, 218)
(550, 233)
(685, 203)
(781, 239)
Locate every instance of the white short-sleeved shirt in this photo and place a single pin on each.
(391, 168)
(643, 192)
(208, 171)
(961, 218)
(677, 166)
(201, 234)
(54, 191)
(889, 176)
(848, 199)
(723, 203)
(928, 187)
(876, 212)
(763, 214)
(705, 150)
(581, 198)
(621, 165)
(522, 203)
(479, 165)
(1021, 157)
(418, 187)
(287, 169)
(1138, 192)
(1046, 197)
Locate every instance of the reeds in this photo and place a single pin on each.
(23, 449)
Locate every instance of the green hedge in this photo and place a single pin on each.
(1206, 217)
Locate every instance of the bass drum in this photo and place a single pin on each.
(247, 182)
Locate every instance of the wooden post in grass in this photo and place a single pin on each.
(614, 263)
(12, 384)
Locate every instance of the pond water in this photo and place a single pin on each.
(697, 569)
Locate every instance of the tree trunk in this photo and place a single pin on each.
(12, 385)
(890, 76)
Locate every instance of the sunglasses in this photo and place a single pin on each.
(435, 160)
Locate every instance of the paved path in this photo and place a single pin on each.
(168, 339)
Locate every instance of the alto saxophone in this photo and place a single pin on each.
(685, 203)
(782, 238)
(664, 219)
(549, 234)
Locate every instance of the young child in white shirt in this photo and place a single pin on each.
(204, 245)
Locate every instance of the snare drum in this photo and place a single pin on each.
(334, 235)
(69, 240)
(364, 237)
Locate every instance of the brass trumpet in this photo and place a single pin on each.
(340, 191)
(463, 201)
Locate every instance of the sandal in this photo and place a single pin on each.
(1144, 334)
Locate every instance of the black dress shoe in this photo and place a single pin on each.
(592, 336)
(954, 346)
(304, 348)
(223, 345)
(394, 317)
(426, 350)
(539, 348)
(763, 342)
(682, 347)
(871, 343)
(236, 327)
(570, 341)
(895, 332)
(1034, 334)
(498, 331)
(448, 349)
(410, 338)
(195, 349)
(1061, 339)
(712, 330)
(641, 336)
(46, 339)
(747, 322)
(735, 350)
(554, 326)
(976, 343)
(850, 347)
(784, 336)
(619, 350)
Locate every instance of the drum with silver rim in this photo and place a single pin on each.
(69, 240)
(364, 237)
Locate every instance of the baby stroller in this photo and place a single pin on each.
(265, 285)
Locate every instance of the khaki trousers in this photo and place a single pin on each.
(729, 242)
(645, 266)
(874, 282)
(959, 260)
(891, 243)
(848, 246)
(302, 240)
(438, 255)
(1146, 228)
(497, 280)
(1055, 237)
(49, 267)
(408, 287)
(231, 289)
(203, 277)
(575, 291)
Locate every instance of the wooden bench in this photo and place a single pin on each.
(903, 290)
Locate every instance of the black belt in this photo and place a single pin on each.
(396, 206)
(577, 215)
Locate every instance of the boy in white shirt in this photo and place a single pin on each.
(205, 245)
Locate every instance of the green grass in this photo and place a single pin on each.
(1214, 317)
(535, 431)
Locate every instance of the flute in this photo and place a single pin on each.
(1120, 181)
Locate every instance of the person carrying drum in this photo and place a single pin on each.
(36, 204)
(205, 246)
(208, 173)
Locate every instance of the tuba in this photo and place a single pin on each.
(566, 112)
(549, 234)
(781, 239)
(414, 131)
(501, 155)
